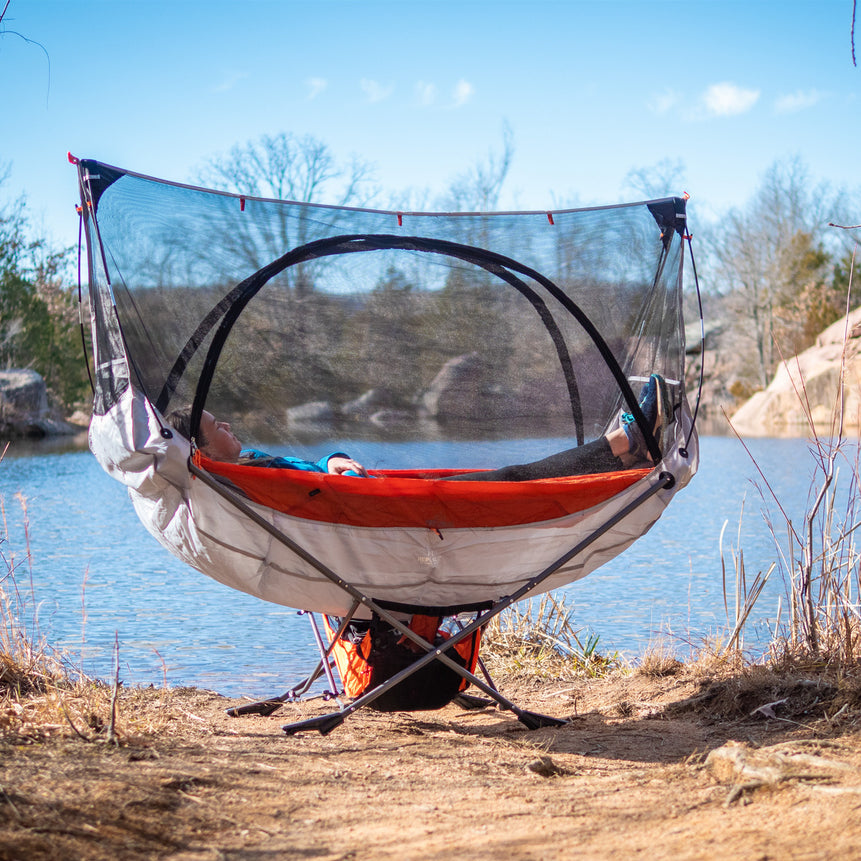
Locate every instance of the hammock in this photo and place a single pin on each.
(413, 327)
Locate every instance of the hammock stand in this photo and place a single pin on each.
(183, 500)
(326, 723)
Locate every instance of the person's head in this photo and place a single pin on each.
(214, 438)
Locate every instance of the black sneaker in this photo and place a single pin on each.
(655, 404)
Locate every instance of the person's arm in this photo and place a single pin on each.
(342, 464)
(338, 463)
(252, 457)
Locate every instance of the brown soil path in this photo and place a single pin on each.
(628, 778)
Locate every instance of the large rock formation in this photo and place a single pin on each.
(464, 389)
(24, 409)
(807, 387)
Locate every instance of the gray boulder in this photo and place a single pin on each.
(464, 389)
(387, 418)
(467, 387)
(24, 409)
(24, 393)
(367, 404)
(311, 413)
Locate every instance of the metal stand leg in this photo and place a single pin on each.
(326, 723)
(268, 707)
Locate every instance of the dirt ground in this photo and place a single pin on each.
(661, 768)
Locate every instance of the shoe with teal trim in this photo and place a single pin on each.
(657, 409)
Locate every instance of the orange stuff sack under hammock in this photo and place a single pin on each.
(410, 498)
(369, 653)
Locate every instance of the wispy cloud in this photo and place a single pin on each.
(375, 91)
(315, 87)
(662, 103)
(425, 93)
(800, 100)
(727, 100)
(463, 92)
(229, 82)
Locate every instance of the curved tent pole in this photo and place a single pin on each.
(234, 303)
(321, 248)
(240, 292)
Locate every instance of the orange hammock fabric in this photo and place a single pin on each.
(410, 498)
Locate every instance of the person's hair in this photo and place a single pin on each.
(180, 420)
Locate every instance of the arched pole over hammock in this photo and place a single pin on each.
(229, 310)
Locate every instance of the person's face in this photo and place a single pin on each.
(221, 444)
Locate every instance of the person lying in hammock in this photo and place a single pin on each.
(218, 442)
(623, 447)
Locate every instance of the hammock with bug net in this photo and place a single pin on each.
(434, 343)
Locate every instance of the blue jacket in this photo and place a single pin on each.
(253, 457)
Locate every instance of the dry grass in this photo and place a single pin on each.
(26, 664)
(538, 640)
(817, 558)
(41, 693)
(659, 661)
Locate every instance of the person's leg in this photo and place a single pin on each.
(621, 448)
(592, 457)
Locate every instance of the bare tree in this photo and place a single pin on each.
(289, 168)
(659, 180)
(771, 254)
(478, 189)
(852, 34)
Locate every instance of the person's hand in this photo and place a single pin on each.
(340, 465)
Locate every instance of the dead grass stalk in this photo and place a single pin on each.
(537, 639)
(817, 558)
(41, 693)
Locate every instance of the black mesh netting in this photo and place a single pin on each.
(296, 321)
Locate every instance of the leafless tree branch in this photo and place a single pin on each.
(852, 36)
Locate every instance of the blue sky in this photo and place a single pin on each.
(590, 90)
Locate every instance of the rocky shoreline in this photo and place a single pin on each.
(802, 396)
(25, 412)
(808, 388)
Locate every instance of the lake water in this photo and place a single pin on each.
(96, 573)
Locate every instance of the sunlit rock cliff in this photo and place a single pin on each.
(806, 387)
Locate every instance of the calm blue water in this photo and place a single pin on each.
(97, 573)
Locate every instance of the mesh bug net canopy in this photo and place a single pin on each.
(441, 325)
(301, 323)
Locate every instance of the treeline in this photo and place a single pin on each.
(772, 271)
(777, 273)
(39, 320)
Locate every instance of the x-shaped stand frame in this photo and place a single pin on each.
(326, 723)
